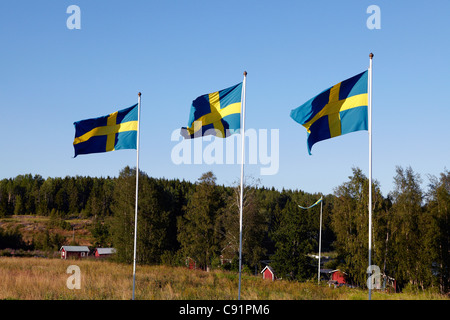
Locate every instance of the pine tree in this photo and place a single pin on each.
(152, 218)
(294, 240)
(198, 232)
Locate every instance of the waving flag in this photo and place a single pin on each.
(336, 111)
(217, 113)
(112, 132)
(317, 202)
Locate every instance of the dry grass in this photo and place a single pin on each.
(45, 279)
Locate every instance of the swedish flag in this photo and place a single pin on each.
(112, 132)
(336, 111)
(217, 113)
(316, 203)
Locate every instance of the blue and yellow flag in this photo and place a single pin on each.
(317, 202)
(108, 133)
(336, 111)
(217, 113)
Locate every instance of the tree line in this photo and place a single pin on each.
(200, 221)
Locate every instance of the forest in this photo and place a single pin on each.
(180, 219)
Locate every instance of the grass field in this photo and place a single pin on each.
(45, 279)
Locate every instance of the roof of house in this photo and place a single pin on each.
(75, 248)
(270, 269)
(337, 270)
(326, 270)
(106, 250)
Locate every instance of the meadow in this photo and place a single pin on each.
(45, 279)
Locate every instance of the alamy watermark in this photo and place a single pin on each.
(212, 150)
(374, 20)
(74, 20)
(374, 279)
(74, 281)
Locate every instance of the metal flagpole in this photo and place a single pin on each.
(370, 165)
(137, 189)
(320, 232)
(242, 181)
(320, 241)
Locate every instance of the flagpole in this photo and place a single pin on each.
(137, 190)
(242, 181)
(320, 241)
(370, 164)
(320, 232)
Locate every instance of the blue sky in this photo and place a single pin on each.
(175, 51)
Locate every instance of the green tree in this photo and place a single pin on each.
(62, 205)
(12, 238)
(19, 207)
(198, 230)
(48, 241)
(46, 196)
(408, 228)
(438, 208)
(100, 231)
(152, 218)
(73, 203)
(5, 197)
(254, 225)
(294, 240)
(24, 192)
(350, 216)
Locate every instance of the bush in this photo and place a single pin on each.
(48, 242)
(246, 270)
(57, 222)
(12, 238)
(174, 259)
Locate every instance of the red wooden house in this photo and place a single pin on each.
(191, 263)
(389, 283)
(338, 276)
(104, 252)
(74, 252)
(268, 273)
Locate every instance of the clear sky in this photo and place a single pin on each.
(174, 51)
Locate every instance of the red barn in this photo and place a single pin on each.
(74, 252)
(191, 263)
(338, 276)
(104, 252)
(268, 273)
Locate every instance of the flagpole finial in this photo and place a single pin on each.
(139, 94)
(371, 55)
(245, 73)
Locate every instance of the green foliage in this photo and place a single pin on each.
(408, 229)
(350, 224)
(27, 194)
(12, 239)
(198, 230)
(47, 241)
(174, 259)
(439, 229)
(294, 238)
(57, 222)
(153, 218)
(254, 225)
(101, 233)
